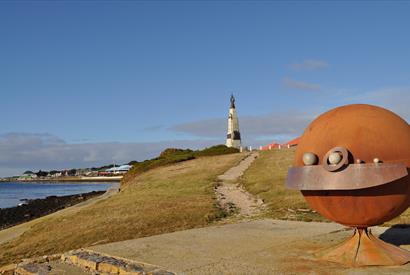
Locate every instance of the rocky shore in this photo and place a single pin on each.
(32, 209)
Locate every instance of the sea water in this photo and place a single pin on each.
(12, 193)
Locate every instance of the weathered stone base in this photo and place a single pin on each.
(33, 266)
(106, 264)
(88, 261)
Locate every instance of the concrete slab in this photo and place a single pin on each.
(255, 247)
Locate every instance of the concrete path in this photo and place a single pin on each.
(255, 247)
(230, 194)
(16, 231)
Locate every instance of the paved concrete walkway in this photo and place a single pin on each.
(255, 247)
(231, 195)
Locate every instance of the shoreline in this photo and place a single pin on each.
(68, 180)
(37, 208)
(17, 230)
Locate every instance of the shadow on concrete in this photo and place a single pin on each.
(398, 234)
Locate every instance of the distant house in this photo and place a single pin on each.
(27, 176)
(119, 170)
(292, 143)
(271, 146)
(56, 175)
(92, 174)
(82, 172)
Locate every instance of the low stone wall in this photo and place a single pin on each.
(92, 262)
(106, 264)
(31, 266)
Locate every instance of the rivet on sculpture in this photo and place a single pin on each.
(352, 166)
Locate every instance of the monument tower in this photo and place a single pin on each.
(233, 138)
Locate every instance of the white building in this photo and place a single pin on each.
(120, 169)
(27, 176)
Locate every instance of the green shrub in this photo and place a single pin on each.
(171, 152)
(216, 151)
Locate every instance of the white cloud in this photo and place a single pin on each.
(26, 151)
(299, 85)
(309, 65)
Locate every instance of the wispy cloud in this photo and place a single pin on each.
(394, 99)
(309, 65)
(254, 129)
(257, 130)
(27, 151)
(300, 85)
(153, 128)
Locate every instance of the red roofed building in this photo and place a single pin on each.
(270, 146)
(274, 145)
(293, 142)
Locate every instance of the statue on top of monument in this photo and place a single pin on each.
(232, 101)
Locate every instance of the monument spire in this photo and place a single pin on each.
(233, 137)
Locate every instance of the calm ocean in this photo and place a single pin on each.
(12, 192)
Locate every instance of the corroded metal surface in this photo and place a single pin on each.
(361, 207)
(355, 176)
(364, 249)
(367, 132)
(358, 195)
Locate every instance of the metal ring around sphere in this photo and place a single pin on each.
(345, 159)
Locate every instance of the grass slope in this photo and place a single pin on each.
(164, 199)
(174, 155)
(266, 179)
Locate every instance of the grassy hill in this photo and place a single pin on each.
(163, 199)
(171, 156)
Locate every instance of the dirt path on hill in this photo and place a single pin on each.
(18, 230)
(231, 195)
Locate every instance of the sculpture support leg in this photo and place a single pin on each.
(363, 249)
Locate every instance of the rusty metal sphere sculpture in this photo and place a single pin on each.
(362, 176)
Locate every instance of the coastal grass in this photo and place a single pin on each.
(174, 155)
(266, 177)
(164, 199)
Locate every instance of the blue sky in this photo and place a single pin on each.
(89, 82)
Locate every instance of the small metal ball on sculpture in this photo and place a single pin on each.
(352, 166)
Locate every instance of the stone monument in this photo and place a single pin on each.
(233, 138)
